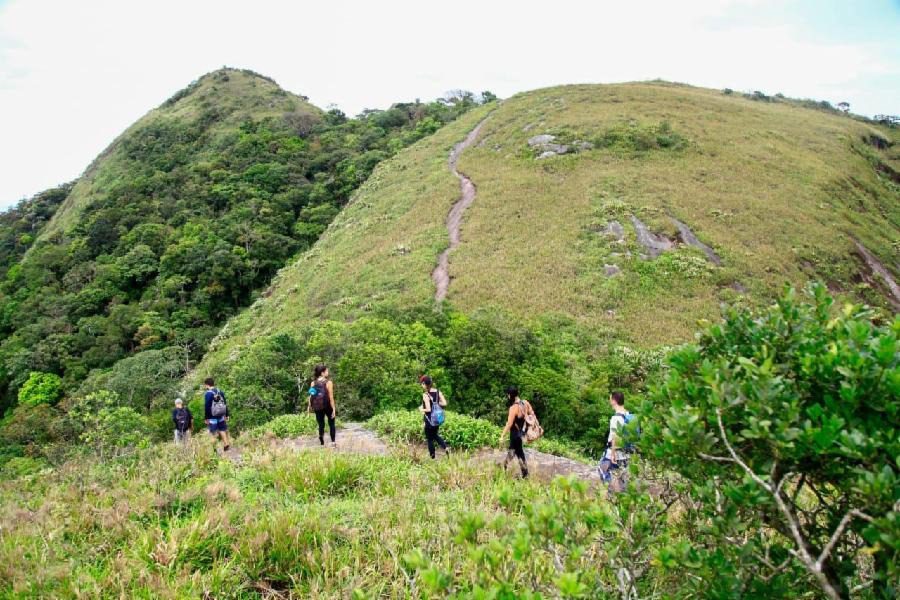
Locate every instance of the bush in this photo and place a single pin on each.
(633, 137)
(789, 420)
(22, 465)
(40, 388)
(29, 425)
(289, 426)
(460, 431)
(106, 426)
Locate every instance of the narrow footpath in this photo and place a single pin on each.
(441, 273)
(355, 438)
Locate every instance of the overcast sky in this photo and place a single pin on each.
(74, 74)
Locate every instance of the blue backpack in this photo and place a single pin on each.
(630, 445)
(437, 412)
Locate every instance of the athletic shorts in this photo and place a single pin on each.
(217, 425)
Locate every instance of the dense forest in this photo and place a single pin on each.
(195, 224)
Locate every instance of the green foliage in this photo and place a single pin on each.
(40, 388)
(30, 426)
(20, 466)
(202, 202)
(106, 426)
(634, 137)
(145, 381)
(375, 363)
(19, 225)
(808, 401)
(460, 431)
(290, 426)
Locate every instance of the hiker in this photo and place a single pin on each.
(184, 422)
(433, 403)
(321, 401)
(614, 464)
(516, 427)
(216, 412)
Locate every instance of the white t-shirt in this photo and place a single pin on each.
(615, 422)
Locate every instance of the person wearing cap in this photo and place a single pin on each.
(184, 422)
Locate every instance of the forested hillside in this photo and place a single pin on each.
(178, 225)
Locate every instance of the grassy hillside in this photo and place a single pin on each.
(777, 191)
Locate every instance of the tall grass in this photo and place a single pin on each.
(173, 523)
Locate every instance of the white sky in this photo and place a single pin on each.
(74, 74)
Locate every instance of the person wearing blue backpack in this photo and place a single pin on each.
(614, 464)
(433, 403)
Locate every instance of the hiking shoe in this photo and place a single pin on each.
(334, 445)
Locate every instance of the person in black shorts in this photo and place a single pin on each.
(431, 396)
(216, 413)
(515, 426)
(321, 402)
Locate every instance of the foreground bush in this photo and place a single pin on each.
(786, 424)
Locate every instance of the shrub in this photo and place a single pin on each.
(40, 388)
(22, 465)
(29, 425)
(789, 420)
(106, 426)
(460, 431)
(633, 137)
(288, 426)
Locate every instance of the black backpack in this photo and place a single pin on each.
(319, 399)
(182, 422)
(218, 407)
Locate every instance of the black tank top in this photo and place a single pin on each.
(519, 422)
(435, 397)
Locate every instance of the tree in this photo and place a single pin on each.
(40, 388)
(787, 426)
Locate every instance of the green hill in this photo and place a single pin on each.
(776, 193)
(178, 224)
(767, 193)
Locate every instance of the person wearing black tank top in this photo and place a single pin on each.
(431, 396)
(515, 426)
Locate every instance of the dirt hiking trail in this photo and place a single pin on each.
(441, 273)
(354, 438)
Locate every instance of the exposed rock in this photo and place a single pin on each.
(653, 243)
(876, 141)
(688, 237)
(611, 270)
(739, 287)
(879, 269)
(540, 140)
(546, 144)
(615, 230)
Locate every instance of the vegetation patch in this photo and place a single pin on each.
(633, 137)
